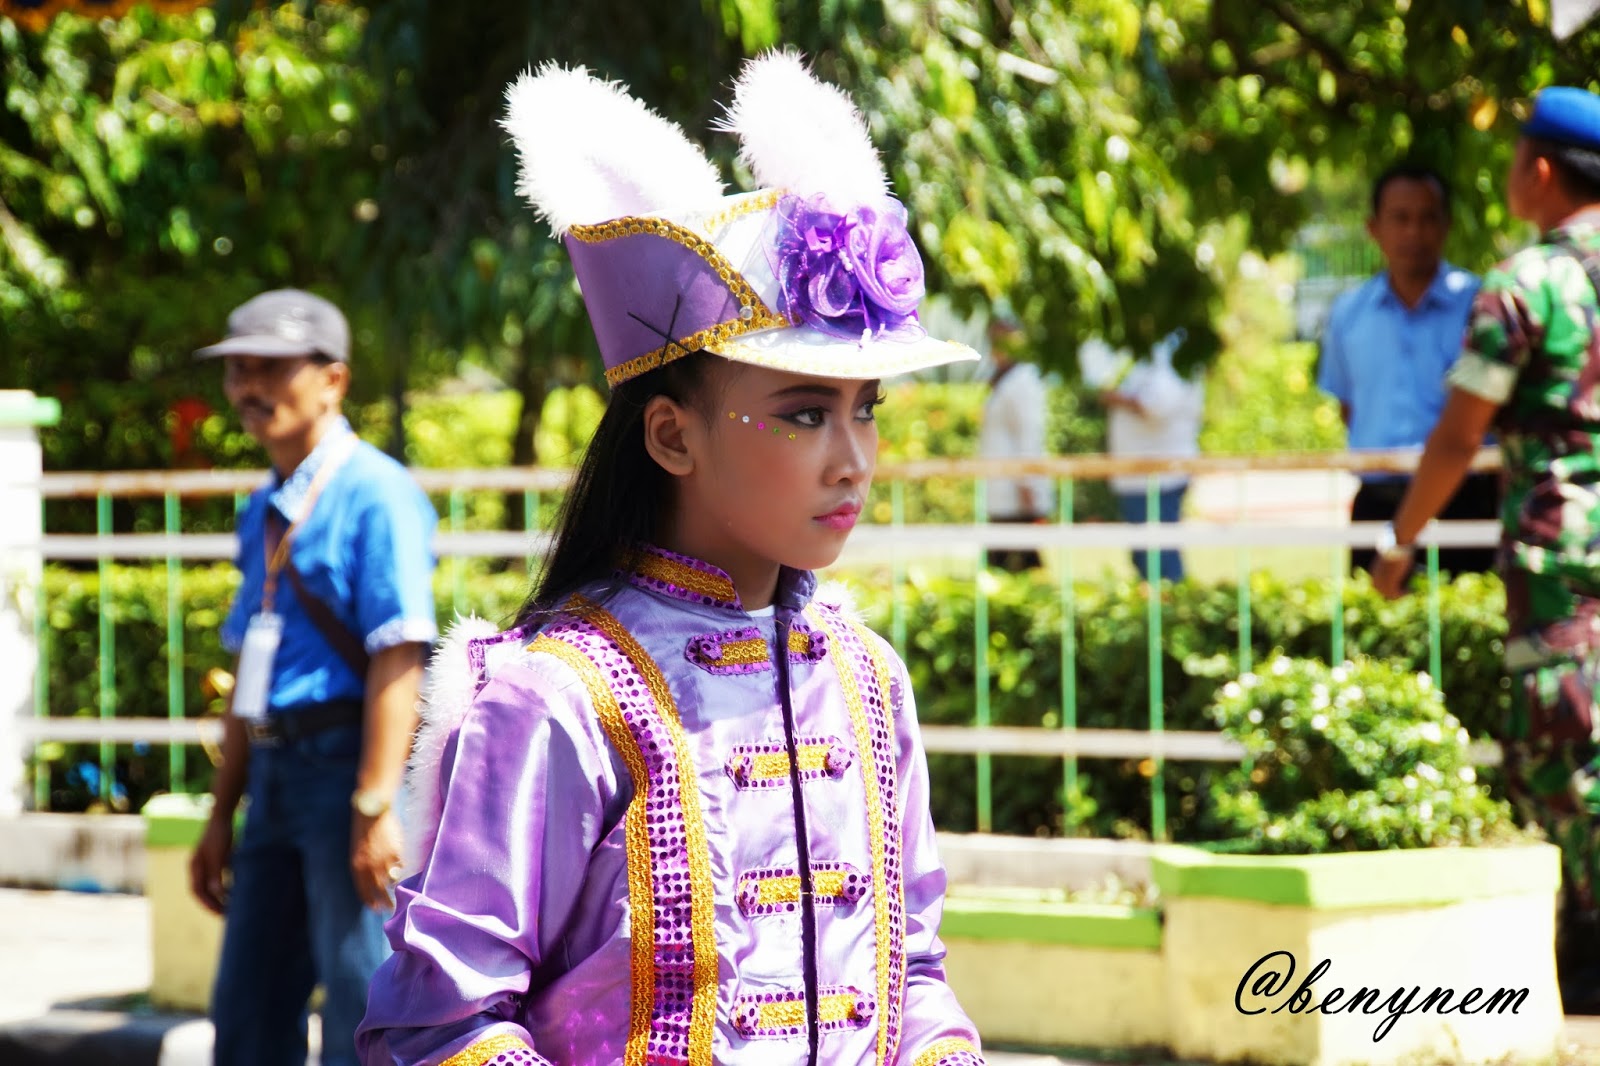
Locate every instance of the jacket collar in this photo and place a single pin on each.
(691, 580)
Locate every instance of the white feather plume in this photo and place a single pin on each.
(447, 692)
(590, 152)
(802, 134)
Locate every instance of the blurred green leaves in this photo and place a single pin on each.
(1077, 158)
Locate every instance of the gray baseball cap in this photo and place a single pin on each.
(284, 322)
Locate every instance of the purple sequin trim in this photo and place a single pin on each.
(749, 894)
(747, 1012)
(707, 650)
(960, 1058)
(851, 654)
(816, 644)
(669, 851)
(678, 591)
(741, 764)
(478, 648)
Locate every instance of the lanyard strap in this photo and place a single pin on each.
(276, 547)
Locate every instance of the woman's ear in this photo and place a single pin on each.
(668, 428)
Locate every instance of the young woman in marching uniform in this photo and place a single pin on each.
(679, 812)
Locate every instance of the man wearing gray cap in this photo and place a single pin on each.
(1531, 371)
(330, 624)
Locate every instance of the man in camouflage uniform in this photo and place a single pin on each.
(1531, 369)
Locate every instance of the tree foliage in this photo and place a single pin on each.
(152, 176)
(1094, 162)
(1276, 96)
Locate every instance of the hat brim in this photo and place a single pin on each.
(802, 350)
(263, 345)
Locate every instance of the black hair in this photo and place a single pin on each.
(1411, 172)
(1577, 169)
(619, 493)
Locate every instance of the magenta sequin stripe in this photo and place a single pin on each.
(711, 651)
(669, 842)
(816, 643)
(681, 577)
(776, 890)
(782, 1014)
(478, 649)
(767, 765)
(879, 700)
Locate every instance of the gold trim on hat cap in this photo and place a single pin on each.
(706, 338)
(762, 201)
(754, 314)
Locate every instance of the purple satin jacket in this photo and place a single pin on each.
(667, 831)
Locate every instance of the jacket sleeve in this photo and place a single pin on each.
(502, 878)
(935, 1031)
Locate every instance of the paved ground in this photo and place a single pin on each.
(73, 967)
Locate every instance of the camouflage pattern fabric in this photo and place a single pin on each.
(1552, 753)
(1533, 348)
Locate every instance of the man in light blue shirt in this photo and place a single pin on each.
(1388, 344)
(331, 621)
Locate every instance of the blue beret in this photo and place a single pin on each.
(1566, 116)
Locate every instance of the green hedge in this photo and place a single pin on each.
(1199, 643)
(141, 655)
(1200, 633)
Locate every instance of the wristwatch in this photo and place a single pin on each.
(1390, 550)
(370, 803)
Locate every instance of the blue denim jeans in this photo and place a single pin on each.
(293, 919)
(1135, 508)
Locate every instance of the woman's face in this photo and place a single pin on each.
(783, 465)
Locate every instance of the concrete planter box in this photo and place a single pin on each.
(1057, 974)
(1470, 930)
(185, 938)
(1460, 939)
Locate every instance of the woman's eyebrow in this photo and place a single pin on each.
(825, 392)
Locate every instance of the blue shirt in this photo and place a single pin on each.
(1387, 362)
(365, 550)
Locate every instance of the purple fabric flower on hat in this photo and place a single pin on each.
(849, 272)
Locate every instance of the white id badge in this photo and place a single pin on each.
(255, 666)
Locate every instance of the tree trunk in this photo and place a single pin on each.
(400, 362)
(533, 386)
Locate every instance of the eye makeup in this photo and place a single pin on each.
(760, 424)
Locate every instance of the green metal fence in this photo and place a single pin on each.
(894, 545)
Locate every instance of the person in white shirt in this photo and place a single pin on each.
(1015, 416)
(1152, 410)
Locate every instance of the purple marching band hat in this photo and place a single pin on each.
(814, 274)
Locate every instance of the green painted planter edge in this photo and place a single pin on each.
(19, 408)
(1088, 925)
(1402, 878)
(174, 820)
